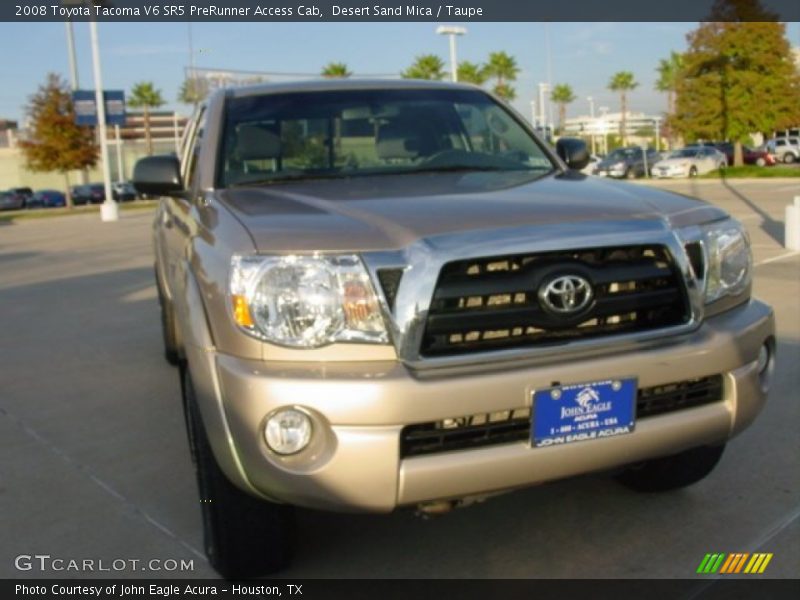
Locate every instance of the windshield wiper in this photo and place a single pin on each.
(292, 177)
(465, 168)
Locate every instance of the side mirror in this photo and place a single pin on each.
(158, 175)
(574, 152)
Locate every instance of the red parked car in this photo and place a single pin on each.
(762, 158)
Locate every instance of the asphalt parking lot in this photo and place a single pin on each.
(94, 462)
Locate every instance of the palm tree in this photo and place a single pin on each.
(562, 95)
(425, 66)
(503, 68)
(335, 70)
(623, 82)
(668, 72)
(505, 91)
(193, 90)
(144, 95)
(472, 73)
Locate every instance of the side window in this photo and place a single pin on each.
(489, 129)
(192, 149)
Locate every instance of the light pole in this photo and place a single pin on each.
(109, 210)
(658, 133)
(604, 111)
(452, 32)
(592, 126)
(73, 64)
(543, 89)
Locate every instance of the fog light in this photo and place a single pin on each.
(763, 359)
(288, 431)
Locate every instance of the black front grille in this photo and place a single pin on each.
(390, 282)
(505, 427)
(677, 396)
(466, 432)
(493, 303)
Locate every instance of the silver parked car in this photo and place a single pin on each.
(785, 149)
(690, 162)
(11, 200)
(391, 294)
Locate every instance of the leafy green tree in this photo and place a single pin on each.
(469, 72)
(562, 95)
(54, 142)
(738, 78)
(144, 95)
(503, 68)
(623, 82)
(193, 90)
(335, 70)
(425, 66)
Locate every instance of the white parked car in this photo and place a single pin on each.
(786, 150)
(590, 167)
(690, 162)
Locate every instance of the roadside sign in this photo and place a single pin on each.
(86, 107)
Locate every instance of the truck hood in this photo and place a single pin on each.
(390, 212)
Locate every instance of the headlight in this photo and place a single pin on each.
(729, 260)
(305, 301)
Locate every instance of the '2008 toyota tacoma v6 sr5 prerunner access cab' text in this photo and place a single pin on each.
(388, 294)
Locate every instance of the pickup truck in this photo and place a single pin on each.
(387, 294)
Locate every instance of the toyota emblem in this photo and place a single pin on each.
(565, 295)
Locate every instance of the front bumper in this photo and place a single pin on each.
(359, 409)
(670, 172)
(615, 172)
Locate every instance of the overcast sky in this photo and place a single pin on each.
(584, 55)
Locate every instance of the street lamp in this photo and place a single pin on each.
(108, 210)
(591, 114)
(452, 32)
(543, 89)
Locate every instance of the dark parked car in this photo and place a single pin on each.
(47, 199)
(627, 163)
(10, 200)
(123, 192)
(93, 193)
(25, 192)
(751, 156)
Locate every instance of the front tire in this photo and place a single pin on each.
(693, 172)
(672, 472)
(243, 536)
(630, 173)
(788, 158)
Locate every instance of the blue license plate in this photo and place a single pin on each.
(584, 411)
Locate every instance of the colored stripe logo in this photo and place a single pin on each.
(737, 562)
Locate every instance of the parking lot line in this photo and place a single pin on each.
(779, 257)
(86, 470)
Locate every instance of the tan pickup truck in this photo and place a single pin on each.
(393, 294)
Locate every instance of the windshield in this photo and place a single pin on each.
(351, 133)
(685, 153)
